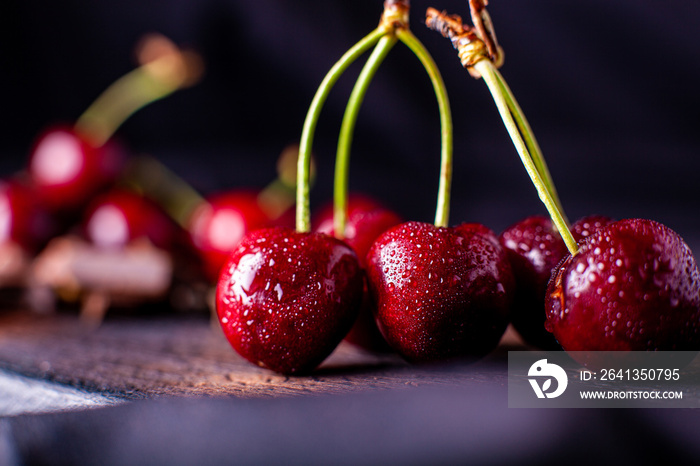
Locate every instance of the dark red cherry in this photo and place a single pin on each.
(118, 217)
(218, 226)
(22, 218)
(586, 226)
(441, 293)
(534, 248)
(68, 170)
(634, 285)
(367, 219)
(286, 299)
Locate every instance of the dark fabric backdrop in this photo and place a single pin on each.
(609, 88)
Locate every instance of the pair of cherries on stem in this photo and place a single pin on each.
(76, 167)
(632, 285)
(285, 298)
(628, 285)
(69, 165)
(534, 248)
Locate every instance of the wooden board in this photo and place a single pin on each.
(154, 356)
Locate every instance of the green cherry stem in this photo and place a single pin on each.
(488, 72)
(149, 177)
(530, 141)
(102, 119)
(164, 70)
(442, 211)
(342, 161)
(303, 211)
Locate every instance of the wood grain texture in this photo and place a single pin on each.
(149, 357)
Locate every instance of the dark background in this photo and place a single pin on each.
(609, 88)
(610, 91)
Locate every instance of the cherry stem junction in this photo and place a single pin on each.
(393, 26)
(355, 101)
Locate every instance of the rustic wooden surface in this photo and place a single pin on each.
(131, 358)
(182, 396)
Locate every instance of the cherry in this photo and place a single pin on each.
(633, 285)
(67, 169)
(25, 227)
(586, 226)
(534, 248)
(23, 220)
(366, 220)
(441, 292)
(218, 225)
(285, 299)
(393, 27)
(119, 217)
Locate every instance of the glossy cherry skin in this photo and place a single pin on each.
(217, 227)
(68, 171)
(441, 293)
(534, 248)
(586, 226)
(22, 218)
(286, 299)
(634, 285)
(367, 219)
(118, 217)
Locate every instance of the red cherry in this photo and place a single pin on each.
(218, 226)
(67, 170)
(367, 219)
(119, 217)
(534, 248)
(22, 218)
(586, 226)
(285, 299)
(441, 292)
(634, 285)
